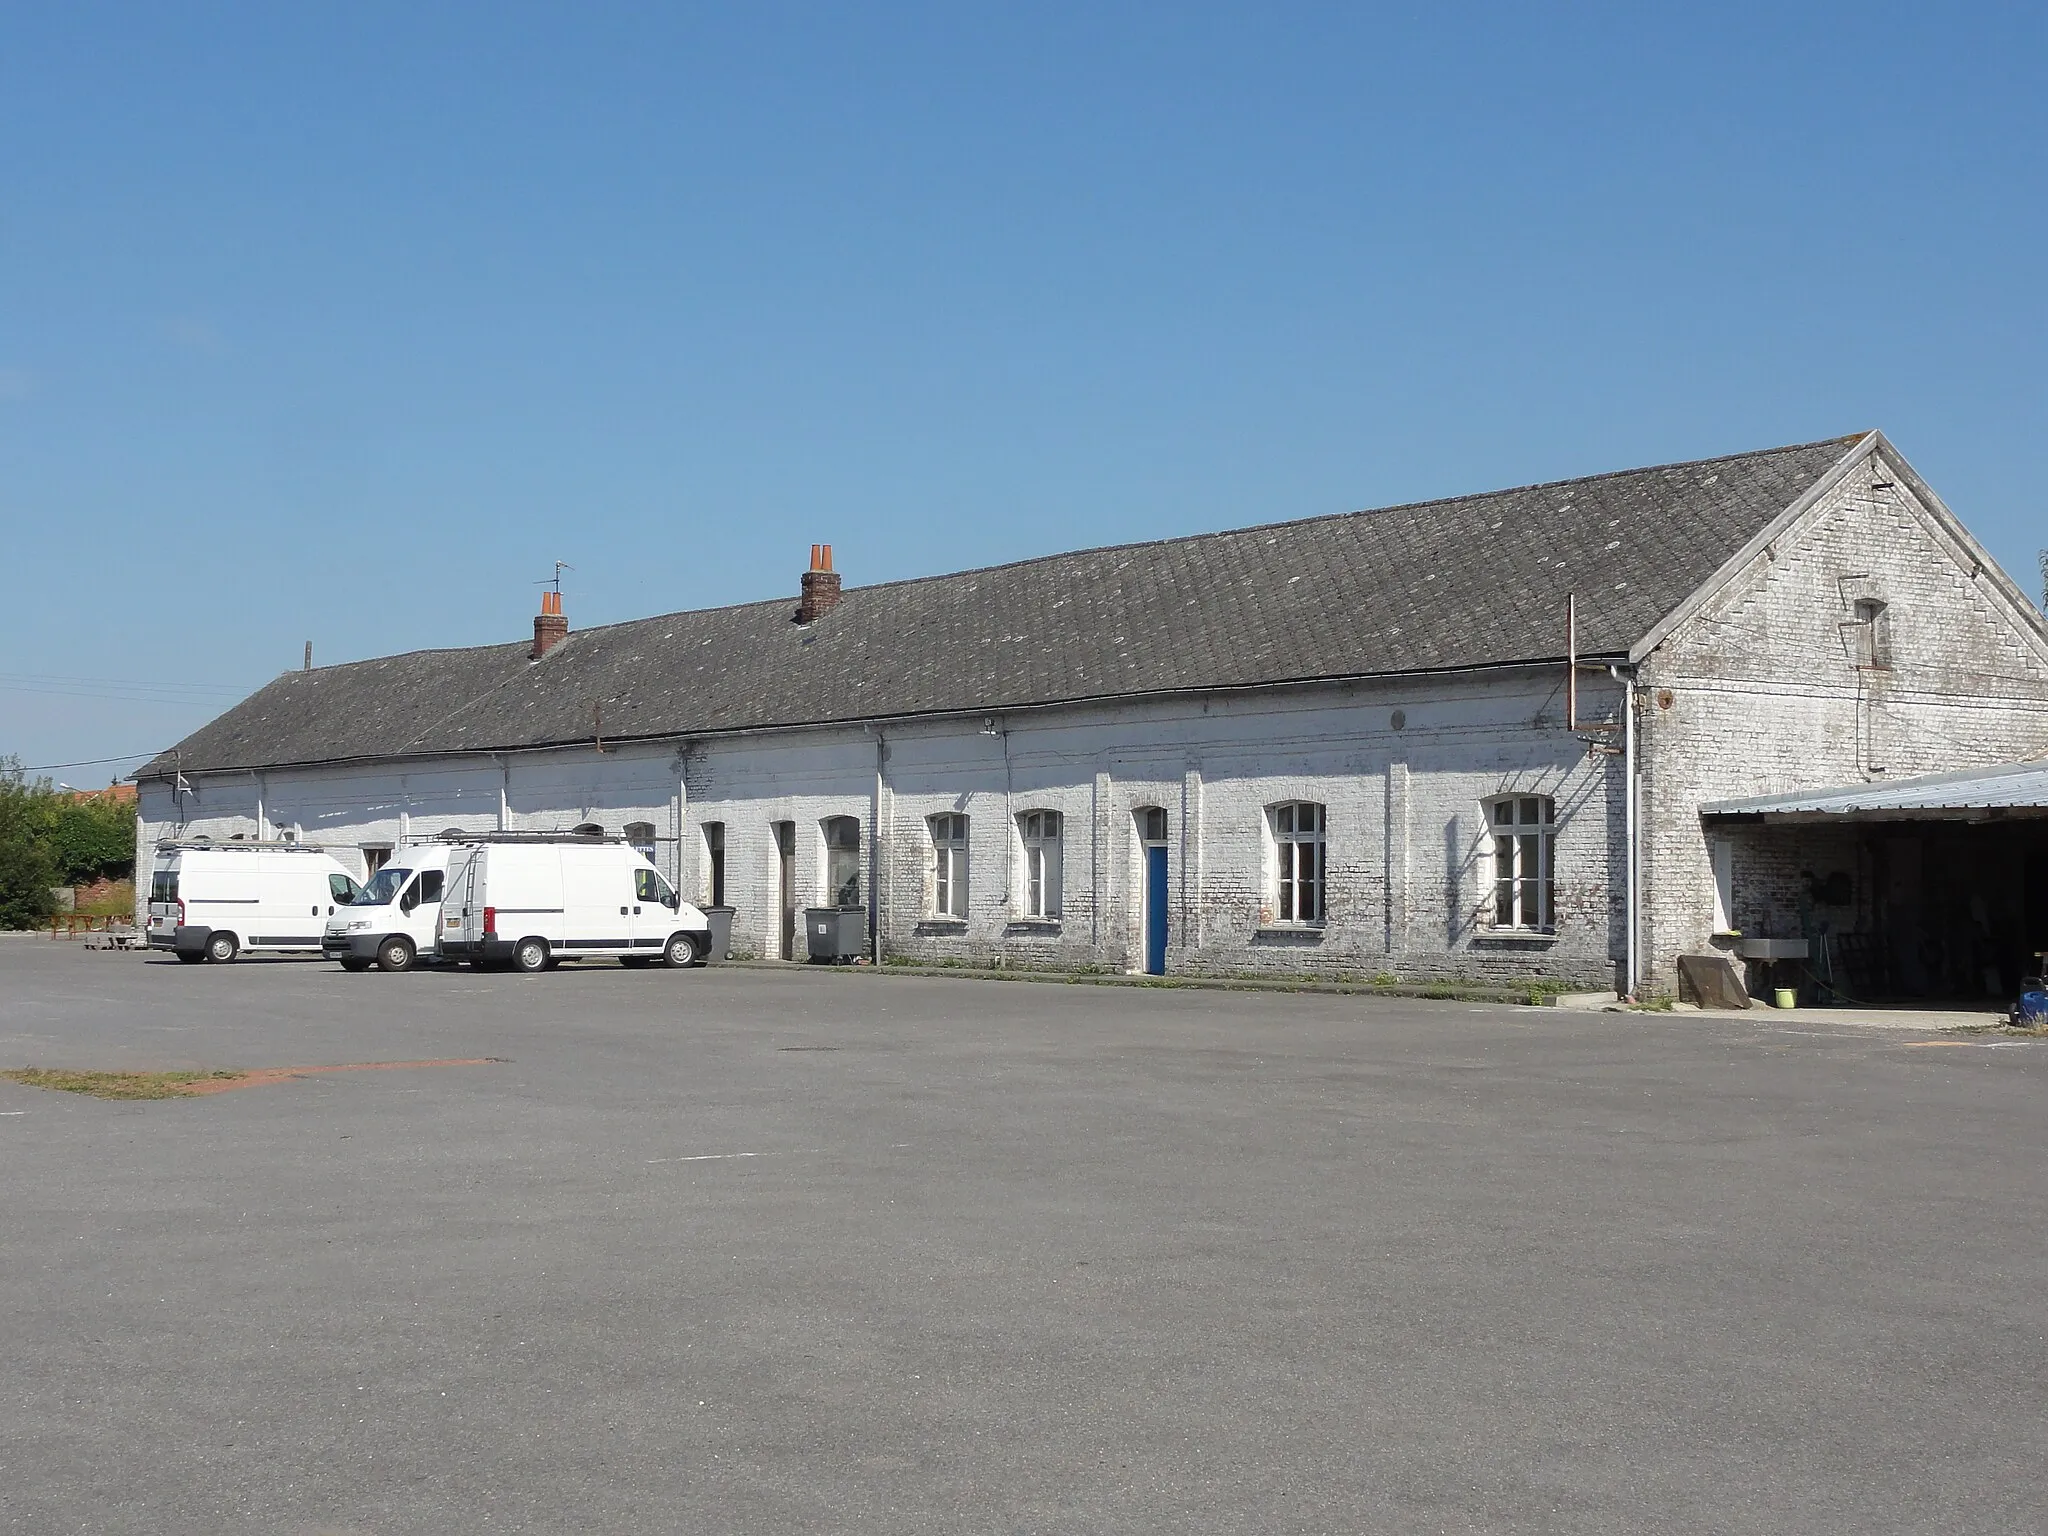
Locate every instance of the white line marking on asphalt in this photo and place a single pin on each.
(13, 1111)
(720, 1157)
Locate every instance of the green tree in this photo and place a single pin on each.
(27, 868)
(92, 840)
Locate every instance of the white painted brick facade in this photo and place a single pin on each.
(1407, 890)
(1753, 693)
(1758, 692)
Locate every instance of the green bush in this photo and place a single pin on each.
(50, 839)
(27, 867)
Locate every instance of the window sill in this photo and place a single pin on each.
(1288, 933)
(942, 925)
(1515, 938)
(1031, 927)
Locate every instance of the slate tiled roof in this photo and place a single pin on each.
(1470, 581)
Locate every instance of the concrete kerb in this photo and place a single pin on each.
(1425, 991)
(1923, 1019)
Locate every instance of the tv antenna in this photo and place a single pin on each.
(555, 580)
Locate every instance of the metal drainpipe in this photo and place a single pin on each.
(1632, 874)
(875, 852)
(679, 809)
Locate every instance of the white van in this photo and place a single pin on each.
(396, 921)
(213, 901)
(535, 899)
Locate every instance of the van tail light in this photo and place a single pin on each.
(181, 911)
(490, 922)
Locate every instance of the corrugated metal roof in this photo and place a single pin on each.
(2021, 787)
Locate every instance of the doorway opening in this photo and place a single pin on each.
(785, 859)
(1152, 839)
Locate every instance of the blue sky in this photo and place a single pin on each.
(345, 322)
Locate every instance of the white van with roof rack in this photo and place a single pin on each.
(531, 900)
(396, 922)
(214, 901)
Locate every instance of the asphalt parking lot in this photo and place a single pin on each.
(752, 1251)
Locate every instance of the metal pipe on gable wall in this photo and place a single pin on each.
(1631, 875)
(1571, 661)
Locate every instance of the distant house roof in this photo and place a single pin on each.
(117, 794)
(2017, 790)
(1439, 585)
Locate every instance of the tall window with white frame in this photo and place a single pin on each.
(1298, 828)
(1524, 862)
(842, 860)
(1041, 833)
(949, 865)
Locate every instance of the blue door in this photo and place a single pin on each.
(1155, 911)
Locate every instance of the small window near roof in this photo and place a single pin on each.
(1873, 634)
(641, 835)
(1524, 862)
(587, 829)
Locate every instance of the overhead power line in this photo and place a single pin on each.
(90, 762)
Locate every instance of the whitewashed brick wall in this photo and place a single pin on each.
(1408, 892)
(1758, 693)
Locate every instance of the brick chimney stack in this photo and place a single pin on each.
(821, 587)
(550, 629)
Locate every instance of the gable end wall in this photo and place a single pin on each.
(1759, 691)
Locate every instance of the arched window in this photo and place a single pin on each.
(842, 860)
(1297, 828)
(1524, 861)
(587, 829)
(1040, 831)
(450, 834)
(641, 835)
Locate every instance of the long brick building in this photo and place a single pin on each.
(1347, 744)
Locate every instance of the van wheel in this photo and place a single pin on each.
(354, 963)
(395, 954)
(530, 955)
(222, 947)
(191, 956)
(681, 950)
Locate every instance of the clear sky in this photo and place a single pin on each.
(344, 322)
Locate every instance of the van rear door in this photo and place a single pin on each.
(462, 921)
(163, 891)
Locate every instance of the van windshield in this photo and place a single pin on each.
(384, 885)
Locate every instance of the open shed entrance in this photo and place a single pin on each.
(1930, 890)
